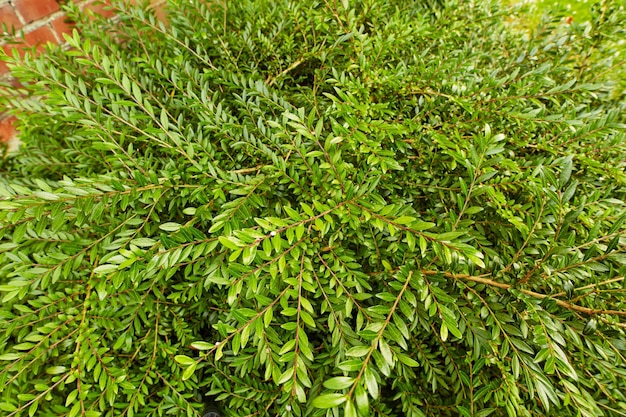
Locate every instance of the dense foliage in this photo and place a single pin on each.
(321, 208)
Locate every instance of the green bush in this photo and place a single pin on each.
(321, 208)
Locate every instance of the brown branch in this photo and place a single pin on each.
(610, 323)
(248, 170)
(481, 279)
(590, 286)
(271, 80)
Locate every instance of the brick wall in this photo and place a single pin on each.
(36, 22)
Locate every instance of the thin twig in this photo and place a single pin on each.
(492, 283)
(290, 68)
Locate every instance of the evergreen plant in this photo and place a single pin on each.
(317, 208)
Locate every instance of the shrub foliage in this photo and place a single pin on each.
(320, 208)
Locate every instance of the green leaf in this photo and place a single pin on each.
(105, 269)
(10, 356)
(71, 397)
(188, 373)
(55, 370)
(473, 210)
(405, 359)
(24, 346)
(35, 405)
(202, 346)
(419, 226)
(350, 410)
(219, 352)
(143, 242)
(8, 407)
(361, 399)
(485, 412)
(292, 213)
(452, 327)
(249, 253)
(184, 360)
(267, 317)
(443, 332)
(231, 242)
(164, 119)
(371, 383)
(44, 195)
(464, 411)
(566, 171)
(170, 227)
(328, 400)
(386, 352)
(358, 351)
(404, 220)
(339, 382)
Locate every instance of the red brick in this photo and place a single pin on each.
(159, 9)
(32, 10)
(7, 129)
(14, 83)
(39, 37)
(9, 18)
(62, 25)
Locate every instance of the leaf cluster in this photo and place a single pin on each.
(316, 208)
